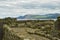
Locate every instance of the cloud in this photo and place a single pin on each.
(14, 8)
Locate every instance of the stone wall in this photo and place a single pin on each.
(9, 34)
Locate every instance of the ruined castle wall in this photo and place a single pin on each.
(9, 34)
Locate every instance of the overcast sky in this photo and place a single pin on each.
(15, 8)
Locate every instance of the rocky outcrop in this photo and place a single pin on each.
(9, 34)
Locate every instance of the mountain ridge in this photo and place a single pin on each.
(45, 16)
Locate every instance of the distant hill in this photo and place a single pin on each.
(45, 16)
